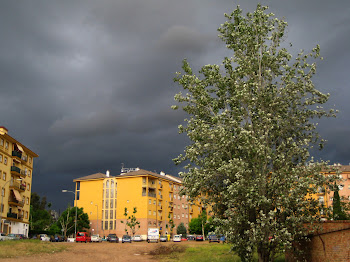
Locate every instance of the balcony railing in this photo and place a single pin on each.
(17, 185)
(152, 195)
(12, 215)
(15, 169)
(13, 201)
(17, 154)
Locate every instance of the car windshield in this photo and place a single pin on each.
(81, 234)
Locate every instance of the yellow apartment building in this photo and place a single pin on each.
(155, 196)
(16, 170)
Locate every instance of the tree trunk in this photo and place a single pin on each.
(263, 254)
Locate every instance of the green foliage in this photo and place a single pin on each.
(252, 123)
(181, 229)
(200, 224)
(67, 220)
(195, 226)
(338, 207)
(40, 218)
(131, 221)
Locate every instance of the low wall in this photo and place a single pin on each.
(331, 242)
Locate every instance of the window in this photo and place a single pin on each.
(78, 184)
(106, 225)
(3, 175)
(78, 192)
(3, 192)
(111, 214)
(5, 160)
(154, 202)
(111, 203)
(178, 216)
(186, 216)
(107, 193)
(26, 215)
(190, 216)
(107, 183)
(178, 206)
(27, 200)
(143, 180)
(1, 142)
(106, 204)
(183, 206)
(30, 160)
(6, 145)
(2, 208)
(341, 187)
(112, 192)
(174, 186)
(110, 224)
(150, 202)
(183, 215)
(106, 214)
(112, 184)
(149, 212)
(0, 158)
(154, 213)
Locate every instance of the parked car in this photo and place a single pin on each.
(191, 237)
(21, 236)
(96, 238)
(177, 238)
(83, 237)
(163, 239)
(126, 239)
(199, 238)
(183, 238)
(12, 237)
(113, 238)
(44, 237)
(3, 237)
(56, 238)
(213, 238)
(137, 238)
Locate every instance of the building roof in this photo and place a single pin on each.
(92, 177)
(341, 168)
(142, 172)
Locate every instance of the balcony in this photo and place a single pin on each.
(152, 195)
(15, 170)
(17, 186)
(170, 199)
(17, 155)
(14, 202)
(191, 210)
(171, 188)
(14, 216)
(160, 217)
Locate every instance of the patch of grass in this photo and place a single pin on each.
(207, 253)
(20, 248)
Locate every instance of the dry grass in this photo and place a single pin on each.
(167, 250)
(19, 248)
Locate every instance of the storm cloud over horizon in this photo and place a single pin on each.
(88, 84)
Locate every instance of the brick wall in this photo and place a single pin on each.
(330, 242)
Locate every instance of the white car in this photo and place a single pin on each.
(3, 237)
(137, 238)
(177, 238)
(96, 238)
(44, 237)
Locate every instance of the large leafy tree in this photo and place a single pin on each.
(252, 123)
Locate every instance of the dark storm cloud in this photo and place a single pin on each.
(88, 84)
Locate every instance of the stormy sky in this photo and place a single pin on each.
(88, 84)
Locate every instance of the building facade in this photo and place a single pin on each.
(16, 171)
(156, 197)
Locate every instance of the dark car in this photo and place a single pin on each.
(126, 238)
(213, 238)
(113, 238)
(163, 238)
(199, 238)
(191, 237)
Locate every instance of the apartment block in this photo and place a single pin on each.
(16, 171)
(156, 198)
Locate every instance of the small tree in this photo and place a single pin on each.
(181, 229)
(131, 221)
(171, 224)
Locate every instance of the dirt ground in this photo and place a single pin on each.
(96, 252)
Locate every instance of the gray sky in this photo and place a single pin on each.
(88, 84)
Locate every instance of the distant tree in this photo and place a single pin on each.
(251, 123)
(181, 229)
(40, 218)
(67, 220)
(171, 224)
(195, 226)
(131, 221)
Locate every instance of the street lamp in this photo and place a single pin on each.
(2, 201)
(97, 217)
(76, 211)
